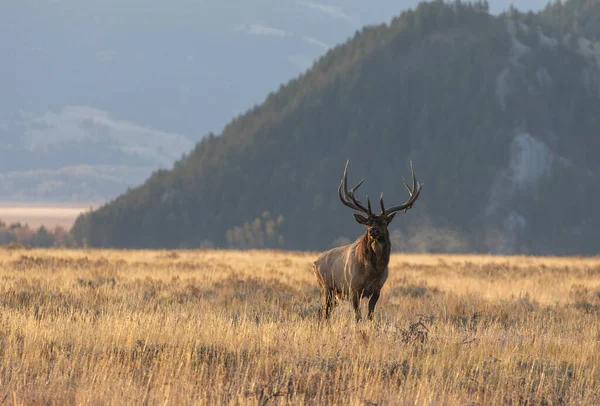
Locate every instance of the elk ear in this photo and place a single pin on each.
(360, 219)
(390, 217)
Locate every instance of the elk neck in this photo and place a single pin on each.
(376, 259)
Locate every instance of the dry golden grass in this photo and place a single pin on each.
(226, 327)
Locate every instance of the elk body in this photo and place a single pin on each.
(360, 269)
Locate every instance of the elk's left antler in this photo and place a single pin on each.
(413, 196)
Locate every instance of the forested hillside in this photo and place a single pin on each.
(580, 18)
(498, 115)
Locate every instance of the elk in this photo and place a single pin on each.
(360, 269)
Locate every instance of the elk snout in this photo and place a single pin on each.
(374, 232)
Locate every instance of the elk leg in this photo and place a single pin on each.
(356, 304)
(372, 302)
(328, 298)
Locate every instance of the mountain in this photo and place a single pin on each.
(98, 94)
(172, 71)
(499, 118)
(79, 154)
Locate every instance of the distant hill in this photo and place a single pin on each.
(498, 114)
(79, 154)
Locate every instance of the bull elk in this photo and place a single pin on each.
(360, 269)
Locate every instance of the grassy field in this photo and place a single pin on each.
(226, 327)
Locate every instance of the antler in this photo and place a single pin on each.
(348, 198)
(413, 192)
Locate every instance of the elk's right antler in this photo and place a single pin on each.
(348, 198)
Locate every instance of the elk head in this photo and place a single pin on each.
(376, 224)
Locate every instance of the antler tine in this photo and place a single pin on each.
(355, 188)
(413, 194)
(414, 180)
(369, 206)
(406, 186)
(353, 203)
(381, 203)
(354, 199)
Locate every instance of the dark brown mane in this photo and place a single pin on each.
(367, 256)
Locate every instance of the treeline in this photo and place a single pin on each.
(16, 234)
(580, 18)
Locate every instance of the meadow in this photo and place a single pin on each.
(217, 327)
